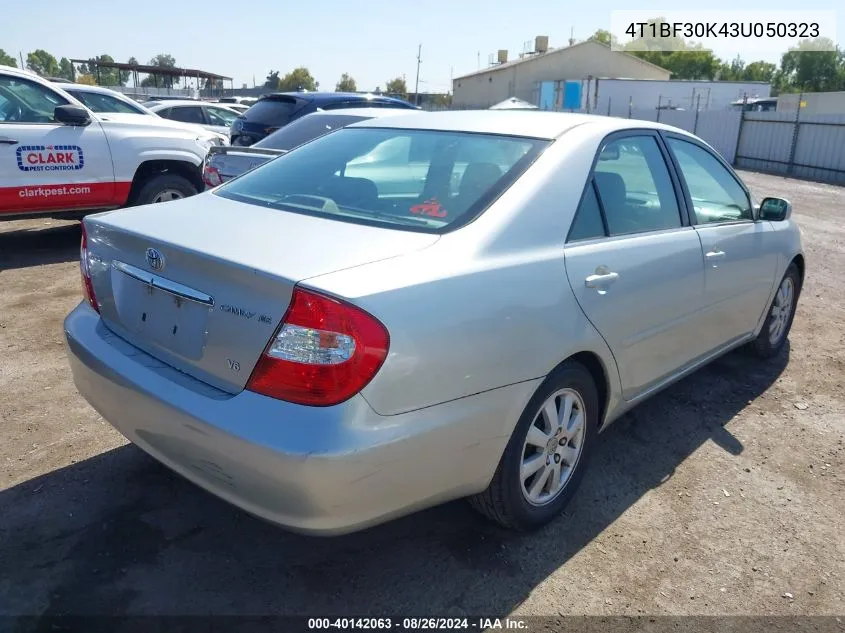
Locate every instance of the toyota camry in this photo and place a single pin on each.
(420, 308)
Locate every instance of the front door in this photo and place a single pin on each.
(635, 266)
(739, 255)
(45, 165)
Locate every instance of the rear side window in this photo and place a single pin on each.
(588, 223)
(306, 129)
(634, 186)
(272, 111)
(412, 179)
(716, 195)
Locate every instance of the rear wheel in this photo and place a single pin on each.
(164, 188)
(778, 322)
(547, 455)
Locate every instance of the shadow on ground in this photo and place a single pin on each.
(119, 533)
(35, 246)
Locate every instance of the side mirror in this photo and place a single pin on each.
(610, 152)
(71, 115)
(775, 209)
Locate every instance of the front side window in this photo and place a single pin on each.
(186, 114)
(716, 195)
(272, 111)
(219, 116)
(25, 101)
(104, 103)
(635, 188)
(415, 179)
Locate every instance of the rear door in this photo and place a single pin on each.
(635, 264)
(740, 258)
(45, 165)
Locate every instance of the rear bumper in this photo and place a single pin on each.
(315, 470)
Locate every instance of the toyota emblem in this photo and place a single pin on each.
(155, 259)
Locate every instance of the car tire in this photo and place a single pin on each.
(164, 187)
(506, 500)
(775, 330)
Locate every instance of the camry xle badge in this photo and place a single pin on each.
(155, 259)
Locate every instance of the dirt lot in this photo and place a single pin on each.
(723, 495)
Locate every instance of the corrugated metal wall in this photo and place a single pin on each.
(811, 146)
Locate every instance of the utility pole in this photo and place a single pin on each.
(417, 87)
(20, 54)
(479, 60)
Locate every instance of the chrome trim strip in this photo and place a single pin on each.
(171, 287)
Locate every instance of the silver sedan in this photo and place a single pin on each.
(419, 308)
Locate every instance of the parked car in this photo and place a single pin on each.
(238, 107)
(60, 158)
(240, 101)
(99, 99)
(274, 111)
(211, 116)
(329, 341)
(223, 163)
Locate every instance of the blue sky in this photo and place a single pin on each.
(374, 41)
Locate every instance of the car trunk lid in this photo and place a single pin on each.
(203, 283)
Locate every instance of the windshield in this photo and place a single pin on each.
(104, 103)
(413, 179)
(305, 129)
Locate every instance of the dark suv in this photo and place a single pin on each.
(273, 111)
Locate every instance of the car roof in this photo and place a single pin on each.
(326, 97)
(529, 123)
(96, 89)
(158, 105)
(373, 113)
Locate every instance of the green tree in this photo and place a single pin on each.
(7, 60)
(298, 79)
(86, 79)
(603, 37)
(812, 67)
(685, 60)
(346, 84)
(41, 62)
(396, 87)
(735, 71)
(65, 69)
(162, 60)
(760, 71)
(272, 81)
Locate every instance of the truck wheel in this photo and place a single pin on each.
(164, 188)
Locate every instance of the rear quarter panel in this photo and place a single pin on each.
(489, 304)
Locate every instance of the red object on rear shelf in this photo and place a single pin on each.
(87, 286)
(324, 352)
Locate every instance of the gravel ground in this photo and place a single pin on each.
(721, 495)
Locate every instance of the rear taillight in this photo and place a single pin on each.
(211, 176)
(324, 352)
(85, 269)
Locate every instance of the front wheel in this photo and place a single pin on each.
(778, 322)
(547, 455)
(164, 188)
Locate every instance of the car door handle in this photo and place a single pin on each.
(715, 255)
(8, 141)
(597, 281)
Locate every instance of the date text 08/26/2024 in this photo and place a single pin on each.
(417, 624)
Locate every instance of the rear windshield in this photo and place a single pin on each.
(305, 129)
(272, 112)
(412, 179)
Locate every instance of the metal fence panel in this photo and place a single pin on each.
(719, 128)
(820, 148)
(765, 141)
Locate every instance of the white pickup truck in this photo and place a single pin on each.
(58, 158)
